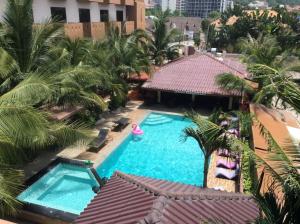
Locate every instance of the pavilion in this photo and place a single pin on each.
(192, 79)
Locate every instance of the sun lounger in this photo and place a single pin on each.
(226, 173)
(234, 131)
(224, 152)
(227, 153)
(226, 163)
(121, 124)
(100, 141)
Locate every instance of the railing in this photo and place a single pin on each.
(128, 27)
(74, 30)
(96, 30)
(127, 2)
(116, 2)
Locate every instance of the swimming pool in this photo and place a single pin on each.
(66, 187)
(160, 153)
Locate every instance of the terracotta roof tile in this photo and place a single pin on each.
(195, 74)
(133, 199)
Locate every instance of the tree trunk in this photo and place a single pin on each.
(205, 171)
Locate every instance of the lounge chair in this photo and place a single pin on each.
(224, 152)
(121, 124)
(226, 173)
(226, 163)
(100, 141)
(227, 153)
(234, 131)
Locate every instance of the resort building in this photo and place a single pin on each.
(191, 80)
(90, 18)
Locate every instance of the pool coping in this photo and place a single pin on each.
(49, 211)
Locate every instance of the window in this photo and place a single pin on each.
(104, 15)
(84, 15)
(58, 13)
(120, 16)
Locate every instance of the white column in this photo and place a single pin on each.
(41, 10)
(193, 98)
(95, 12)
(158, 96)
(72, 11)
(112, 12)
(230, 103)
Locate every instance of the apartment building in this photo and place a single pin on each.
(202, 8)
(180, 6)
(90, 18)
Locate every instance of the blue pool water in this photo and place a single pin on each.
(160, 153)
(66, 187)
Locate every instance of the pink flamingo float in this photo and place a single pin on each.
(136, 130)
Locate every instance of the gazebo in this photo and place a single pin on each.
(195, 78)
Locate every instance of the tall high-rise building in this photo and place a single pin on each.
(180, 6)
(202, 8)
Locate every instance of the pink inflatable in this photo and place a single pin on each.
(136, 130)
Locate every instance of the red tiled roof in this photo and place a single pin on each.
(130, 199)
(195, 75)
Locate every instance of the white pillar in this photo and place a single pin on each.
(112, 12)
(230, 103)
(158, 96)
(72, 11)
(193, 98)
(95, 12)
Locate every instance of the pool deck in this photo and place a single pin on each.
(214, 182)
(136, 113)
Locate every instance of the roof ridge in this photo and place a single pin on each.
(208, 193)
(226, 64)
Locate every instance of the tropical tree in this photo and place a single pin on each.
(263, 50)
(26, 44)
(210, 137)
(160, 45)
(281, 200)
(281, 164)
(11, 181)
(275, 87)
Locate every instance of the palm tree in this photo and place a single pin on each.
(26, 43)
(11, 183)
(282, 165)
(160, 45)
(275, 86)
(263, 50)
(209, 136)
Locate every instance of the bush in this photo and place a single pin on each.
(248, 170)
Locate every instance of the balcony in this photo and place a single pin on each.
(96, 30)
(74, 30)
(114, 24)
(127, 2)
(128, 27)
(115, 2)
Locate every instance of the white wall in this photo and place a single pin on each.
(2, 8)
